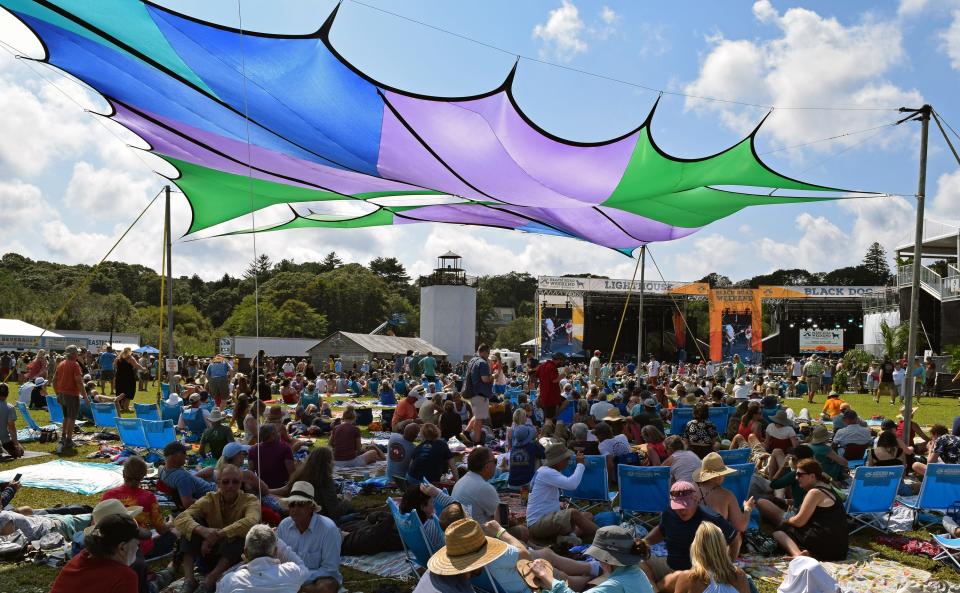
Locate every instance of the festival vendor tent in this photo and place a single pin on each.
(254, 120)
(20, 335)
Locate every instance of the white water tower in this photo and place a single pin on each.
(448, 309)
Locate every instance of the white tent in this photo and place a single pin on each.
(532, 342)
(20, 335)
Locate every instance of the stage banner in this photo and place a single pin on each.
(736, 323)
(821, 340)
(817, 292)
(679, 329)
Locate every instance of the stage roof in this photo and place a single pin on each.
(941, 240)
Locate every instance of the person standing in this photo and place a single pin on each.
(68, 384)
(106, 360)
(125, 378)
(478, 386)
(813, 372)
(218, 379)
(549, 377)
(594, 368)
(428, 367)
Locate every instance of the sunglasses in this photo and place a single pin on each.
(229, 481)
(683, 494)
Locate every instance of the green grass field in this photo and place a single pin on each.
(29, 578)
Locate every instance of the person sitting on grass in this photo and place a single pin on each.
(709, 479)
(217, 436)
(104, 563)
(712, 570)
(466, 552)
(431, 458)
(546, 521)
(133, 496)
(194, 420)
(8, 425)
(832, 464)
(785, 477)
(318, 471)
(186, 487)
(473, 490)
(423, 499)
(819, 528)
(313, 537)
(271, 565)
(271, 458)
(213, 529)
(945, 449)
(348, 449)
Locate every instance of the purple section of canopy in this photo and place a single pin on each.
(461, 214)
(168, 143)
(503, 150)
(647, 229)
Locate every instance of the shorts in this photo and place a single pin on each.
(887, 388)
(552, 525)
(70, 405)
(355, 462)
(481, 407)
(106, 375)
(813, 385)
(218, 387)
(658, 566)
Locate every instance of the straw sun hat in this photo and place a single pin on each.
(712, 466)
(467, 549)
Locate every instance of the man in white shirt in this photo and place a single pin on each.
(594, 368)
(545, 520)
(271, 566)
(653, 367)
(852, 433)
(473, 491)
(314, 538)
(600, 408)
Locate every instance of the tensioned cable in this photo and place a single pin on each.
(829, 138)
(936, 118)
(253, 227)
(610, 78)
(940, 117)
(623, 315)
(672, 298)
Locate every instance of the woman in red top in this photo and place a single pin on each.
(750, 424)
(656, 449)
(288, 392)
(104, 564)
(132, 495)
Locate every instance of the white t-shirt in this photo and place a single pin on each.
(595, 367)
(288, 367)
(545, 492)
(599, 409)
(617, 446)
(780, 432)
(482, 497)
(741, 391)
(797, 369)
(683, 465)
(653, 368)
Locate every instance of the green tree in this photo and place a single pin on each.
(516, 332)
(245, 319)
(894, 338)
(875, 261)
(716, 280)
(391, 270)
(331, 262)
(296, 319)
(351, 297)
(259, 268)
(218, 306)
(285, 286)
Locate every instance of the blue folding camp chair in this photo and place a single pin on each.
(104, 415)
(594, 487)
(734, 456)
(739, 483)
(939, 490)
(146, 411)
(872, 493)
(165, 390)
(411, 536)
(855, 463)
(644, 492)
(679, 419)
(720, 416)
(55, 409)
(566, 415)
(949, 549)
(25, 414)
(158, 433)
(131, 432)
(170, 412)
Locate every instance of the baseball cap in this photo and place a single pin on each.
(174, 447)
(233, 447)
(683, 495)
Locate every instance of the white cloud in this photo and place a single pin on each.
(816, 61)
(608, 15)
(562, 34)
(888, 221)
(945, 204)
(951, 40)
(911, 7)
(23, 204)
(822, 246)
(711, 253)
(105, 190)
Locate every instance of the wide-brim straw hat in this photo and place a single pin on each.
(690, 400)
(781, 418)
(712, 466)
(467, 549)
(819, 435)
(217, 416)
(614, 415)
(111, 506)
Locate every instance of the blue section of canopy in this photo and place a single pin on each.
(130, 80)
(325, 106)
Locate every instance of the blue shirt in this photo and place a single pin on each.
(216, 370)
(523, 463)
(429, 366)
(623, 578)
(480, 368)
(318, 546)
(106, 360)
(185, 483)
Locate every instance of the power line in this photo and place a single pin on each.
(611, 78)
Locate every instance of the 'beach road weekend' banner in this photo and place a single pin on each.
(821, 340)
(735, 323)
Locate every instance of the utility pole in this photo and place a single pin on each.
(923, 114)
(169, 287)
(643, 269)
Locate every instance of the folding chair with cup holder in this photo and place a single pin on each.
(146, 411)
(873, 492)
(131, 432)
(950, 546)
(594, 487)
(55, 409)
(412, 537)
(938, 491)
(644, 492)
(735, 456)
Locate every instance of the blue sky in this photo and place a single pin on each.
(69, 187)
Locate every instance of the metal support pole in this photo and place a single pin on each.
(166, 222)
(643, 269)
(908, 388)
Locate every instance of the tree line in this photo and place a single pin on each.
(290, 299)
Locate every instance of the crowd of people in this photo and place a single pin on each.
(267, 512)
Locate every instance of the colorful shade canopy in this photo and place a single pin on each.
(254, 120)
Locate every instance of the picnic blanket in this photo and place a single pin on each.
(393, 565)
(862, 571)
(70, 476)
(359, 474)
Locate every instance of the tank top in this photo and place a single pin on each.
(745, 430)
(895, 460)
